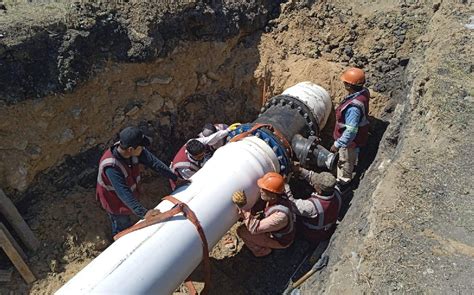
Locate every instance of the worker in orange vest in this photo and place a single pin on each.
(275, 229)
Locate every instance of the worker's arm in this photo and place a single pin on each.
(123, 191)
(352, 118)
(304, 208)
(274, 222)
(306, 175)
(149, 160)
(185, 173)
(214, 137)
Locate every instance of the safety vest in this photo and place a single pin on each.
(182, 161)
(328, 208)
(286, 235)
(105, 192)
(360, 100)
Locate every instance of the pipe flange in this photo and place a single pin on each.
(293, 103)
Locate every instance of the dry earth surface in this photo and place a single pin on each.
(71, 76)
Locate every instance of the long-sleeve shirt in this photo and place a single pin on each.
(302, 207)
(119, 183)
(352, 116)
(272, 223)
(215, 140)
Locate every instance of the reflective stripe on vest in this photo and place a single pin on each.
(187, 165)
(321, 226)
(112, 162)
(288, 213)
(359, 104)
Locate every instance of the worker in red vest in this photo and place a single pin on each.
(193, 155)
(352, 125)
(189, 159)
(275, 228)
(119, 178)
(317, 215)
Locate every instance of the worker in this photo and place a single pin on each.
(352, 126)
(194, 154)
(189, 159)
(317, 215)
(210, 129)
(119, 178)
(275, 228)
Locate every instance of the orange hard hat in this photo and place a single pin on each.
(353, 76)
(272, 182)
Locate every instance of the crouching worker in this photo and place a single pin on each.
(317, 215)
(189, 159)
(275, 229)
(119, 178)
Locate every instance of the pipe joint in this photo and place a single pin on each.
(290, 102)
(267, 135)
(310, 153)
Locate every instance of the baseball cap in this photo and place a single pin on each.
(133, 137)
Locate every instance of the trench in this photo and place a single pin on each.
(50, 170)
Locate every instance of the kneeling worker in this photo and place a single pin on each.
(317, 215)
(119, 177)
(193, 155)
(189, 159)
(275, 230)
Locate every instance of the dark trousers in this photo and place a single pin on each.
(119, 222)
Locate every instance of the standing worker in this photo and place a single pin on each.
(317, 215)
(275, 230)
(352, 126)
(119, 177)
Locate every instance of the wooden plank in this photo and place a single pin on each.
(8, 209)
(14, 243)
(15, 257)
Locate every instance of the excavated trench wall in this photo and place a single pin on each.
(69, 86)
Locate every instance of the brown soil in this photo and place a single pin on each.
(408, 228)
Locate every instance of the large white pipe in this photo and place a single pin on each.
(315, 97)
(155, 260)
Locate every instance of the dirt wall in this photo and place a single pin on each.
(409, 228)
(98, 77)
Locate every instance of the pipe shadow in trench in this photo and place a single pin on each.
(244, 273)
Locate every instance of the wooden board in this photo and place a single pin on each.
(15, 254)
(8, 209)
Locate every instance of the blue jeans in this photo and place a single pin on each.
(119, 222)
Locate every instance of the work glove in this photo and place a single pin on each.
(152, 213)
(239, 198)
(233, 126)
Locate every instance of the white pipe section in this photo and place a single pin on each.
(315, 97)
(157, 259)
